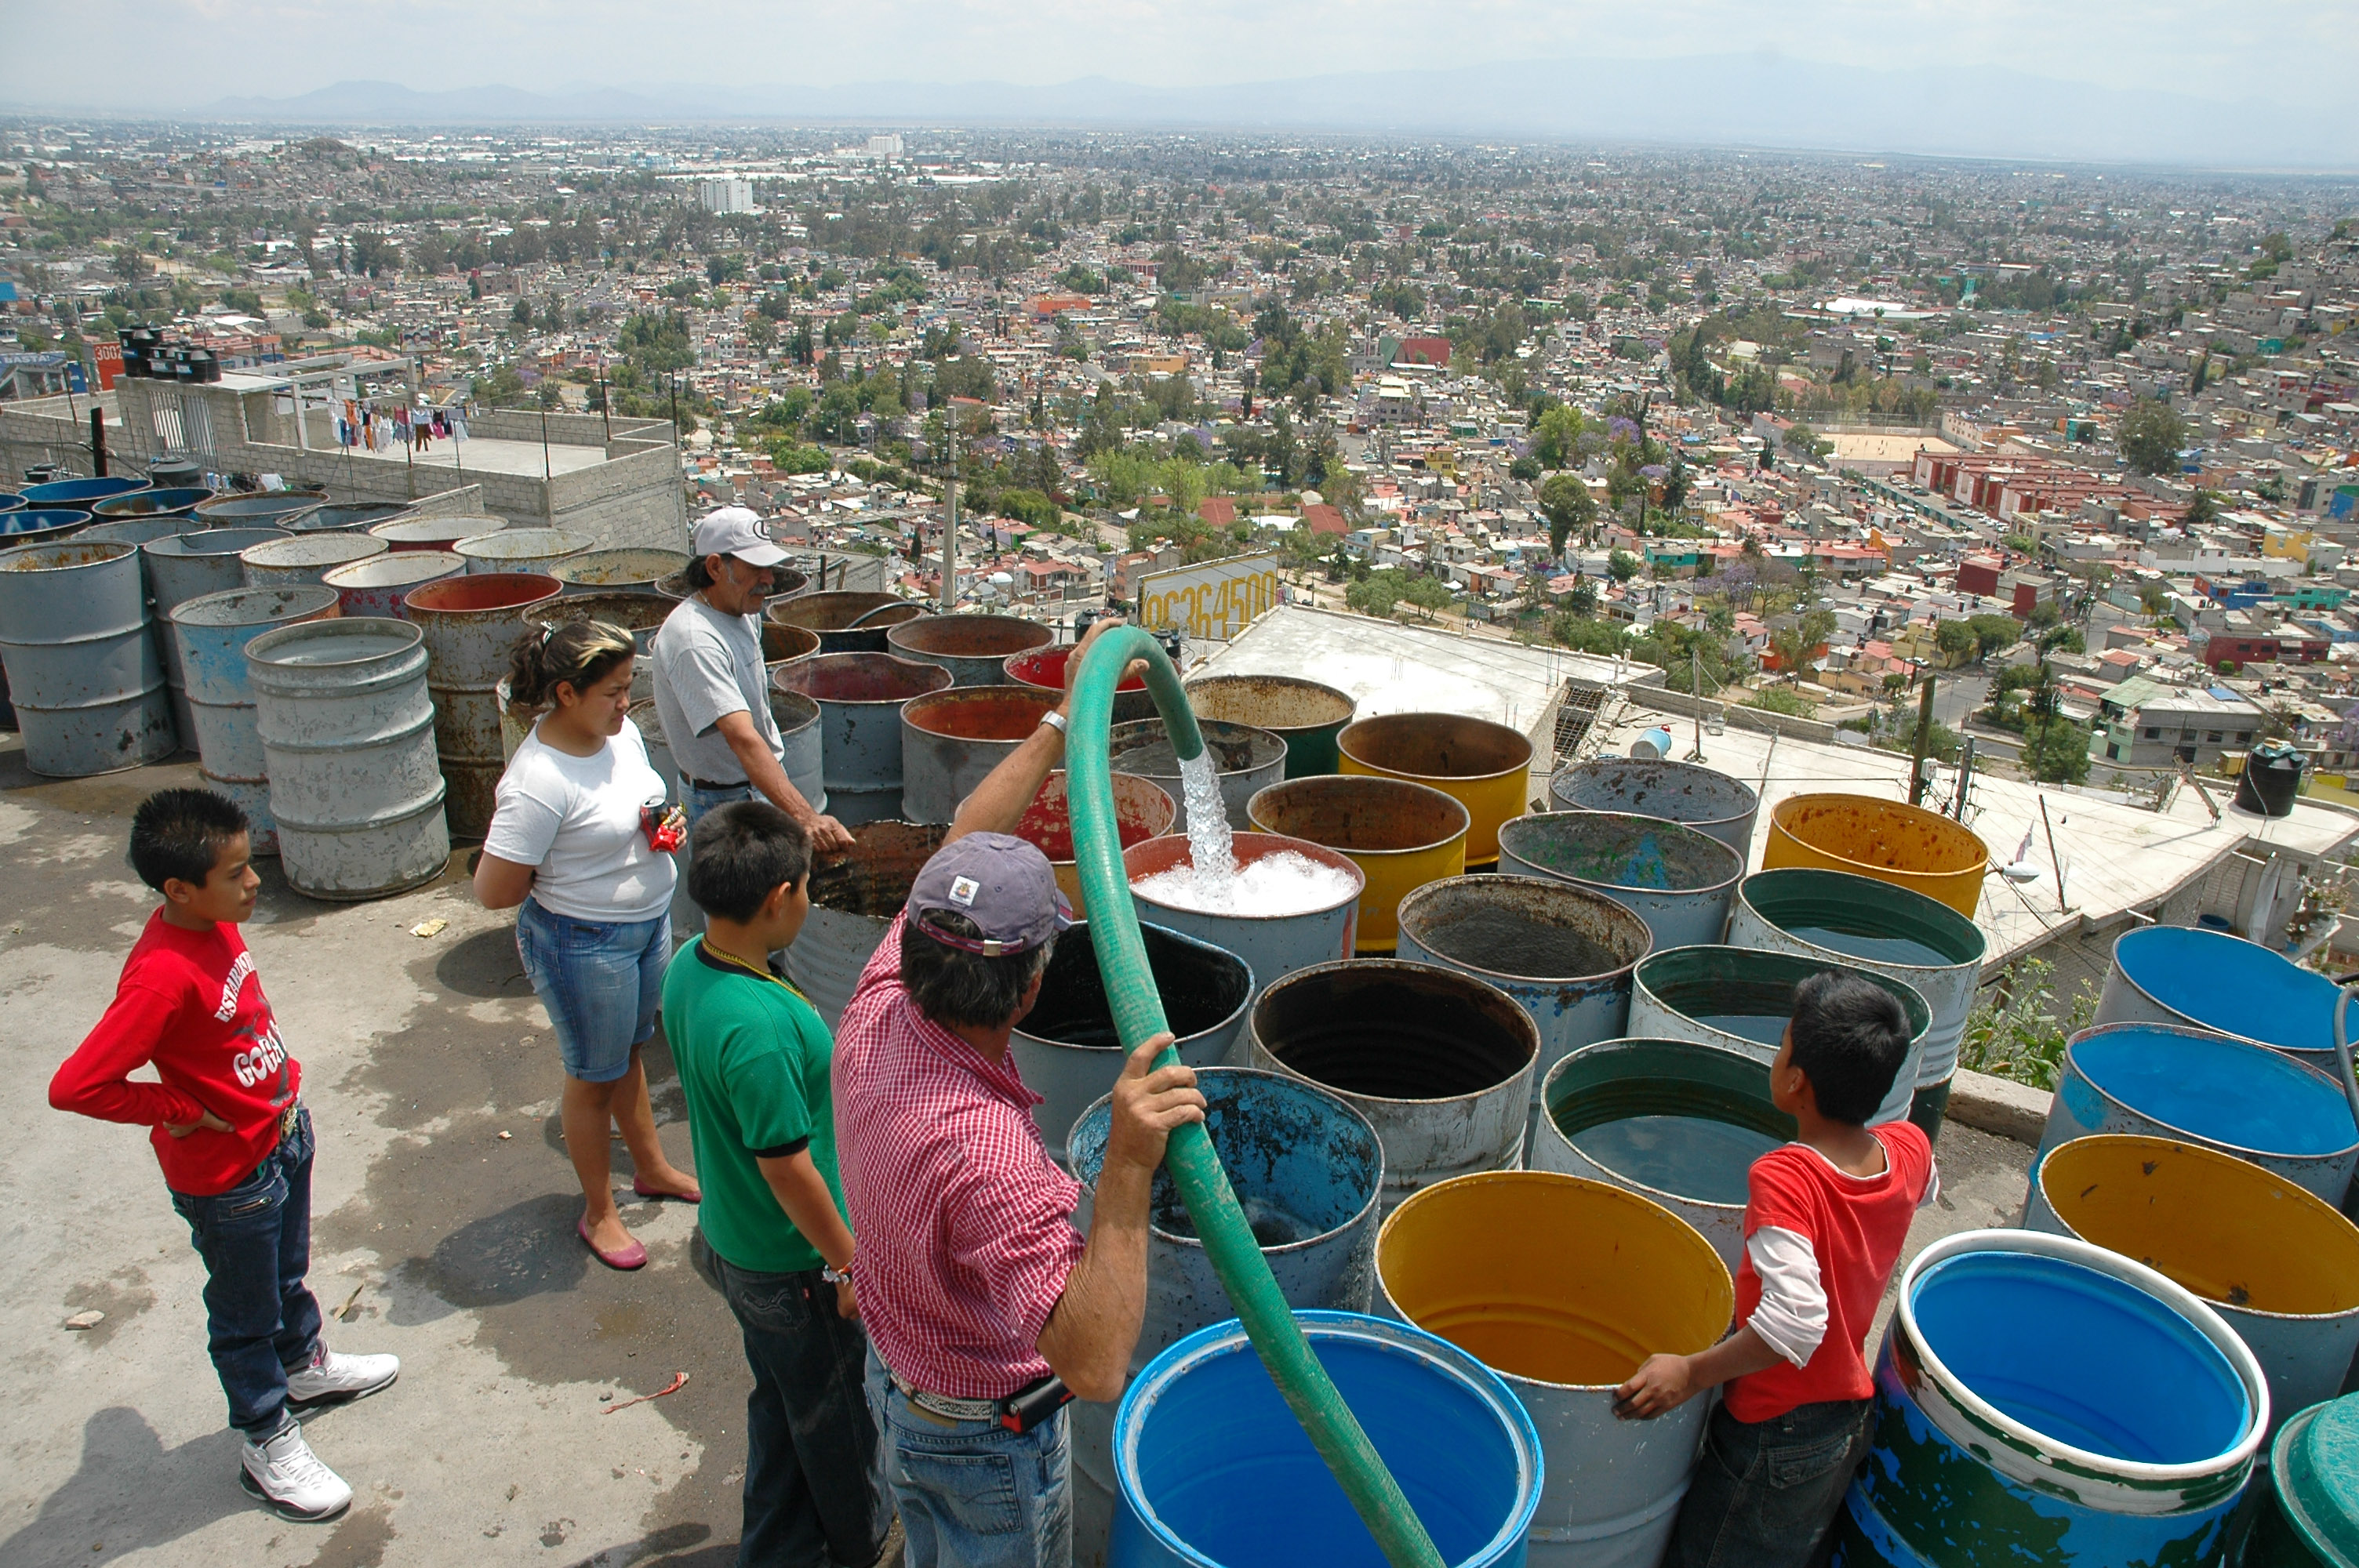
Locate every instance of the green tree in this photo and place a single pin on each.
(1623, 565)
(1808, 442)
(2153, 597)
(1556, 437)
(2056, 750)
(1428, 594)
(1955, 638)
(2151, 435)
(1568, 507)
(2205, 508)
(1993, 632)
(1797, 645)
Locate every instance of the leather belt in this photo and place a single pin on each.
(945, 1407)
(712, 788)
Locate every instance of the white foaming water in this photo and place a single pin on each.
(1285, 883)
(1209, 847)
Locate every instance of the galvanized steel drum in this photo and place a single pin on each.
(860, 698)
(596, 571)
(1067, 1047)
(521, 549)
(139, 528)
(185, 565)
(1484, 767)
(2197, 978)
(1141, 811)
(302, 559)
(212, 633)
(854, 897)
(354, 518)
(797, 717)
(1679, 880)
(1679, 1122)
(1273, 942)
(1702, 798)
(1304, 714)
(1306, 1168)
(434, 533)
(180, 500)
(1044, 668)
(952, 739)
(2278, 1263)
(347, 728)
(375, 587)
(975, 648)
(270, 508)
(1562, 1287)
(2040, 1399)
(1439, 1063)
(471, 623)
(846, 622)
(83, 666)
(640, 614)
(1869, 925)
(1246, 761)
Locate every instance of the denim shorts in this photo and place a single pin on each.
(601, 980)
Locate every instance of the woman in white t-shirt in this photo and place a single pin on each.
(580, 838)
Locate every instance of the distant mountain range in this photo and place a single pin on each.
(1760, 100)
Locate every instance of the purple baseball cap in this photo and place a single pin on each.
(1003, 883)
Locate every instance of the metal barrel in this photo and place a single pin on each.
(952, 739)
(347, 730)
(1563, 953)
(1212, 1467)
(1702, 798)
(1680, 1122)
(1067, 1047)
(781, 645)
(2041, 1399)
(269, 508)
(79, 494)
(860, 698)
(51, 526)
(1273, 943)
(687, 920)
(1141, 811)
(594, 571)
(1562, 1287)
(1307, 1170)
(471, 623)
(2187, 976)
(1440, 1063)
(1044, 669)
(1743, 997)
(301, 558)
(1304, 714)
(2278, 1262)
(178, 501)
(974, 648)
(402, 533)
(1401, 835)
(521, 549)
(625, 610)
(1246, 761)
(1484, 767)
(185, 565)
(139, 529)
(1679, 881)
(356, 517)
(1839, 918)
(2313, 1519)
(801, 753)
(83, 666)
(2230, 1095)
(1904, 845)
(212, 633)
(846, 622)
(854, 897)
(786, 583)
(377, 586)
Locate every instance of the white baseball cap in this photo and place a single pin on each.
(735, 530)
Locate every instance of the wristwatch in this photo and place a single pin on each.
(1056, 720)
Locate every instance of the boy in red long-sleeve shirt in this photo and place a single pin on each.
(232, 1136)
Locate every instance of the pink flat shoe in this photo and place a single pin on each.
(645, 1191)
(624, 1260)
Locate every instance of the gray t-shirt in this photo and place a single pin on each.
(709, 665)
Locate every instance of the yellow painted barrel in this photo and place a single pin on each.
(1564, 1286)
(1483, 766)
(2280, 1263)
(1904, 845)
(1400, 834)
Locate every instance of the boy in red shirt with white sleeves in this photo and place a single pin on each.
(1825, 1219)
(232, 1135)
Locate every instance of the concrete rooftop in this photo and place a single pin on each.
(485, 455)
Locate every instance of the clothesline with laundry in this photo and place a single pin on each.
(382, 428)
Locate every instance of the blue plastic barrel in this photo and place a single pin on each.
(2042, 1400)
(2240, 1099)
(77, 493)
(1215, 1470)
(46, 526)
(2209, 979)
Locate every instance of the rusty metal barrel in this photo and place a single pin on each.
(434, 533)
(1904, 845)
(952, 739)
(854, 896)
(635, 571)
(975, 648)
(1484, 767)
(213, 633)
(801, 752)
(302, 559)
(1402, 835)
(355, 518)
(375, 587)
(1044, 670)
(83, 669)
(1304, 714)
(347, 732)
(1679, 881)
(521, 549)
(471, 625)
(626, 609)
(1703, 798)
(250, 509)
(860, 698)
(1246, 761)
(846, 622)
(1141, 811)
(781, 645)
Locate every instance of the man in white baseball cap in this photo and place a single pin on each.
(712, 692)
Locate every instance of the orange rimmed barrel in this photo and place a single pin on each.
(1401, 833)
(1904, 845)
(1484, 767)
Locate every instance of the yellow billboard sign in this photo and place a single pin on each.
(1212, 599)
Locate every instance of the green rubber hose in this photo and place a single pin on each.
(1195, 1167)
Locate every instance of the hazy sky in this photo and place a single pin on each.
(193, 51)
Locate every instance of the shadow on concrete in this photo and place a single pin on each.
(485, 965)
(665, 1546)
(129, 1495)
(524, 1250)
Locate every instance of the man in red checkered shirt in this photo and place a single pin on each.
(985, 1306)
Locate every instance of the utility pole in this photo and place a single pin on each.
(1924, 743)
(949, 523)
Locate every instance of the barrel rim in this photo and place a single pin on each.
(1780, 813)
(1522, 1023)
(477, 580)
(1547, 1117)
(2089, 1255)
(1323, 781)
(2290, 1436)
(1743, 897)
(1253, 735)
(1350, 704)
(1910, 993)
(950, 696)
(1230, 1022)
(1616, 765)
(537, 535)
(1519, 827)
(1386, 769)
(185, 613)
(235, 552)
(1446, 887)
(384, 557)
(808, 665)
(260, 651)
(2072, 1047)
(2302, 1053)
(114, 550)
(578, 562)
(1333, 859)
(1389, 1335)
(894, 642)
(255, 554)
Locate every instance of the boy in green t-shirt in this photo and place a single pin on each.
(752, 1057)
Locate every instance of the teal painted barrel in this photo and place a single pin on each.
(2042, 1400)
(1837, 917)
(1304, 714)
(1215, 1472)
(2186, 975)
(1307, 1170)
(1742, 997)
(2312, 1520)
(2229, 1095)
(1703, 798)
(1679, 880)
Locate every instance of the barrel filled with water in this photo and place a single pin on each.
(1677, 879)
(1702, 798)
(2198, 978)
(1289, 904)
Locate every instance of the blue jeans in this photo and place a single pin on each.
(699, 801)
(973, 1494)
(1765, 1492)
(602, 981)
(812, 1491)
(261, 1319)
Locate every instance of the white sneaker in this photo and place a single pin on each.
(290, 1479)
(334, 1379)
